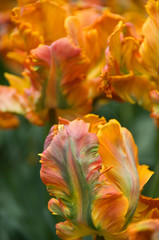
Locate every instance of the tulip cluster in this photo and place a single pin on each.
(57, 51)
(64, 56)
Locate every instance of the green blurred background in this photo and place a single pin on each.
(23, 197)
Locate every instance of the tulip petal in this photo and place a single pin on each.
(148, 229)
(37, 12)
(114, 206)
(144, 175)
(57, 74)
(118, 150)
(70, 166)
(94, 122)
(11, 101)
(8, 120)
(147, 208)
(150, 48)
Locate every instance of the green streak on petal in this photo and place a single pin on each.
(61, 98)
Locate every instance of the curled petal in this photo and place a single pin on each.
(108, 21)
(130, 89)
(33, 14)
(67, 230)
(23, 41)
(144, 175)
(28, 31)
(148, 229)
(94, 122)
(115, 44)
(58, 208)
(94, 33)
(147, 208)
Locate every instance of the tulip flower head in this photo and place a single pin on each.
(133, 60)
(91, 169)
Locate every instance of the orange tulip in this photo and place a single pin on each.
(132, 62)
(58, 62)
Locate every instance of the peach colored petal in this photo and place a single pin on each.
(70, 164)
(57, 75)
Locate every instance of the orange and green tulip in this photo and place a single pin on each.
(91, 169)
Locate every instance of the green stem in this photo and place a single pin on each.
(53, 119)
(99, 238)
(155, 183)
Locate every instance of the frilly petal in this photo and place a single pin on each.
(70, 166)
(124, 75)
(148, 229)
(94, 122)
(31, 15)
(147, 208)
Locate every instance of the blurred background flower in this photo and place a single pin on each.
(132, 62)
(55, 63)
